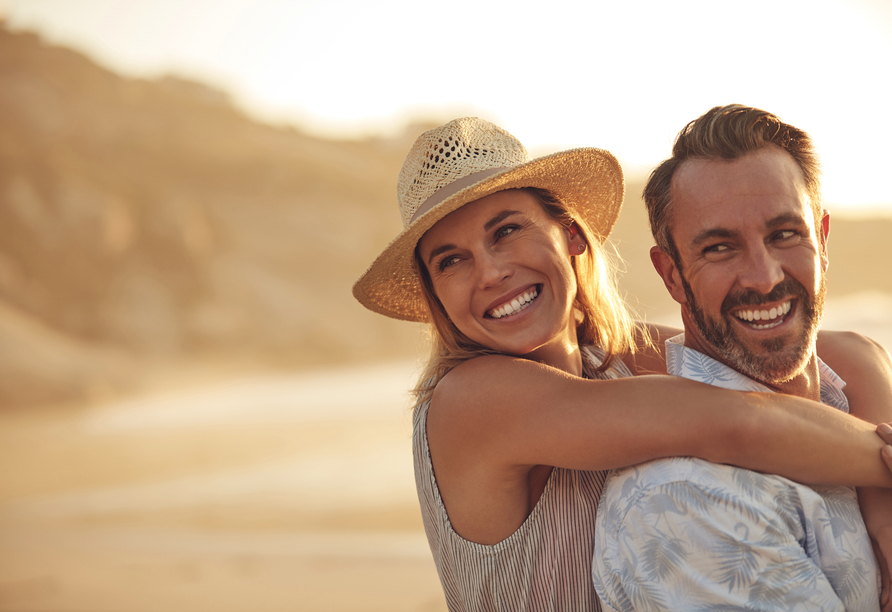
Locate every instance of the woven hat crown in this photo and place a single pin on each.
(452, 152)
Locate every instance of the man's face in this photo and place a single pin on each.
(751, 273)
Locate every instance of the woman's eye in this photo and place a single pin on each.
(505, 230)
(446, 262)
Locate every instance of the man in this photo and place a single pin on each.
(742, 246)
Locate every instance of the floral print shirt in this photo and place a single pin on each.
(686, 534)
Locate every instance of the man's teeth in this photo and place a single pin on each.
(515, 305)
(764, 315)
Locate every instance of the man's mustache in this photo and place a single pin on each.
(786, 288)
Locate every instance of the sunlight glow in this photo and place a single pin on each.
(623, 76)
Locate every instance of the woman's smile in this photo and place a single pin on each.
(514, 305)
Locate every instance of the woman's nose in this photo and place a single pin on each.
(492, 269)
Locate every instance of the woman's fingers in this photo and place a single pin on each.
(885, 432)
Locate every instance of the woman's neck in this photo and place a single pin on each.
(566, 356)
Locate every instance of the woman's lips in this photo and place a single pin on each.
(515, 305)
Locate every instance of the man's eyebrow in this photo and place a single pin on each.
(786, 219)
(711, 234)
(499, 218)
(721, 232)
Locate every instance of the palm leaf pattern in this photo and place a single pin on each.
(851, 576)
(735, 566)
(771, 593)
(702, 368)
(685, 534)
(662, 557)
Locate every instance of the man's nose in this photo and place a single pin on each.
(761, 270)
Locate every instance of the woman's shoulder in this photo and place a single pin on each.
(495, 371)
(490, 386)
(480, 377)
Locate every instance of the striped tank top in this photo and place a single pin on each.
(543, 566)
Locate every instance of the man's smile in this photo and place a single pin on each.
(765, 318)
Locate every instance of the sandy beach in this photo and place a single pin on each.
(272, 492)
(255, 492)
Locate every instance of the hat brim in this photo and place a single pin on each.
(589, 181)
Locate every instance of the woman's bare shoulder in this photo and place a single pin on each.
(490, 378)
(485, 392)
(494, 374)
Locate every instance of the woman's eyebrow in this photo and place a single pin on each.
(486, 226)
(438, 250)
(499, 218)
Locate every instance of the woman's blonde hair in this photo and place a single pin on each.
(604, 319)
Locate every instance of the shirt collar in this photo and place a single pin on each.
(689, 363)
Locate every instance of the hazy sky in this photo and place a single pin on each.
(621, 75)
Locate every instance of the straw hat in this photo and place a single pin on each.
(463, 161)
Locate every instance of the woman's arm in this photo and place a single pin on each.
(509, 413)
(867, 369)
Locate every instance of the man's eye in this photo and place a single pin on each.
(784, 234)
(716, 248)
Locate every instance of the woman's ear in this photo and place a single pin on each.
(576, 242)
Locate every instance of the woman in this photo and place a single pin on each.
(522, 407)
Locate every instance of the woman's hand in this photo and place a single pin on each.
(876, 507)
(885, 432)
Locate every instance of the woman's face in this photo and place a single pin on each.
(501, 267)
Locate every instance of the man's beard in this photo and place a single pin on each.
(781, 358)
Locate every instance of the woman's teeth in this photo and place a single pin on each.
(764, 315)
(515, 305)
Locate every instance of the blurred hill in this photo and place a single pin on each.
(151, 221)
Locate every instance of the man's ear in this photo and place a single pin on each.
(825, 234)
(668, 271)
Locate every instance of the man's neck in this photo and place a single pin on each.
(806, 384)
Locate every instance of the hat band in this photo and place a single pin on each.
(453, 188)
